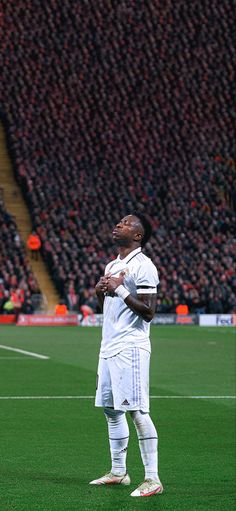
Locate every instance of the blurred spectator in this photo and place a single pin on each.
(34, 245)
(87, 312)
(27, 307)
(17, 299)
(182, 309)
(8, 307)
(61, 309)
(71, 297)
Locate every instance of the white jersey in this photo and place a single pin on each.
(123, 328)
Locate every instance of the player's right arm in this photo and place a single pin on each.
(101, 289)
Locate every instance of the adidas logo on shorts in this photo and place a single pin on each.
(125, 403)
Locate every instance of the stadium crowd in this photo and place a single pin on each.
(115, 106)
(17, 282)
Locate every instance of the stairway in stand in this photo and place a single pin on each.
(15, 205)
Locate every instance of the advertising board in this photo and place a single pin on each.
(47, 320)
(217, 320)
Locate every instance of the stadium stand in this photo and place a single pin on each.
(112, 104)
(17, 282)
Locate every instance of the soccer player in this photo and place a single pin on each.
(127, 295)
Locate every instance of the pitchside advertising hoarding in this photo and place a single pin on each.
(214, 320)
(217, 320)
(173, 319)
(47, 320)
(159, 319)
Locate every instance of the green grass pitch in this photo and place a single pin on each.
(52, 448)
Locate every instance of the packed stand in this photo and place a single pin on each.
(113, 105)
(17, 283)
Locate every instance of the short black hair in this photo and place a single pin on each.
(147, 227)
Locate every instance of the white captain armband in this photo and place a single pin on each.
(122, 292)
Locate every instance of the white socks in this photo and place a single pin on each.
(118, 431)
(148, 441)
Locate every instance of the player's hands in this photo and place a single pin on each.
(101, 286)
(114, 282)
(108, 284)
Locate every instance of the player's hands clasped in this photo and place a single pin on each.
(108, 284)
(114, 282)
(101, 286)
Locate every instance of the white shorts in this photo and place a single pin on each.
(123, 381)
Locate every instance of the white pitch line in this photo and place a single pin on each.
(193, 397)
(92, 397)
(47, 397)
(30, 353)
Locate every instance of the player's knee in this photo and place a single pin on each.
(138, 416)
(113, 415)
(143, 424)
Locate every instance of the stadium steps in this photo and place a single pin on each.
(15, 205)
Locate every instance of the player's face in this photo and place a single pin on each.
(127, 231)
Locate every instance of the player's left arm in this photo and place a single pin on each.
(143, 305)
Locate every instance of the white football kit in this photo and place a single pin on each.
(123, 369)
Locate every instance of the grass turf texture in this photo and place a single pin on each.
(51, 449)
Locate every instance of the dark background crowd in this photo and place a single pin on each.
(18, 285)
(111, 106)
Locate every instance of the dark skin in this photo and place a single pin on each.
(127, 235)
